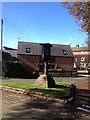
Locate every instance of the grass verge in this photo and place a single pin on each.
(61, 91)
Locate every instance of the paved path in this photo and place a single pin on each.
(18, 107)
(80, 82)
(80, 78)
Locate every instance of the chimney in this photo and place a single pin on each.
(77, 46)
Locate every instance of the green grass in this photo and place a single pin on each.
(66, 84)
(63, 90)
(22, 85)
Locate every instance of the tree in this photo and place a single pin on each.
(87, 41)
(81, 12)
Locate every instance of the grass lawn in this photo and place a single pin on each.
(53, 92)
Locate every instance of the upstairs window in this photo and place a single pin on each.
(82, 58)
(76, 59)
(27, 50)
(64, 52)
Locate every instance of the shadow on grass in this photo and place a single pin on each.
(58, 91)
(61, 86)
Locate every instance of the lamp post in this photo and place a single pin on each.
(1, 47)
(1, 33)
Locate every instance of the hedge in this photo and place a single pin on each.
(16, 69)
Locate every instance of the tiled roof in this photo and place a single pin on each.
(7, 48)
(11, 51)
(36, 49)
(77, 49)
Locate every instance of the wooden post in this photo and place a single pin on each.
(46, 51)
(45, 68)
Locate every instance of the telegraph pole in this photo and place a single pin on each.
(1, 48)
(1, 33)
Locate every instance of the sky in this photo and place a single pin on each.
(41, 22)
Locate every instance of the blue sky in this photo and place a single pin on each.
(46, 22)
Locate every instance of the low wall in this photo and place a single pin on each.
(62, 73)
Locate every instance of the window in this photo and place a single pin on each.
(64, 52)
(82, 58)
(76, 59)
(27, 50)
(82, 64)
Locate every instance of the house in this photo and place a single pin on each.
(9, 54)
(31, 55)
(82, 57)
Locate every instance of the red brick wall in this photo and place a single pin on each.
(65, 62)
(33, 61)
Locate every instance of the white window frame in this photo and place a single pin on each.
(28, 50)
(64, 52)
(76, 59)
(82, 58)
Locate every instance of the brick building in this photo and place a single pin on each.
(31, 55)
(9, 54)
(81, 56)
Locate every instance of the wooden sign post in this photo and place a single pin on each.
(45, 80)
(46, 53)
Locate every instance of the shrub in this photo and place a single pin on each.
(16, 69)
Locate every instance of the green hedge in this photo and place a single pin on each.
(16, 69)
